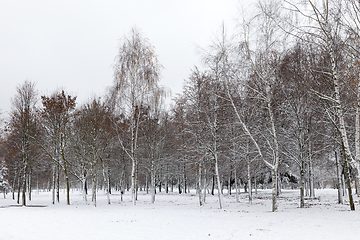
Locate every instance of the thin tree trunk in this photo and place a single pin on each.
(204, 187)
(357, 141)
(167, 179)
(29, 183)
(13, 185)
(152, 183)
(340, 115)
(109, 180)
(220, 197)
(255, 185)
(133, 182)
(53, 184)
(229, 183)
(24, 186)
(199, 188)
(67, 186)
(274, 190)
(185, 181)
(338, 174)
(249, 182)
(236, 186)
(57, 183)
(94, 190)
(84, 193)
(213, 185)
(348, 183)
(106, 185)
(19, 189)
(172, 185)
(179, 185)
(159, 181)
(311, 178)
(302, 183)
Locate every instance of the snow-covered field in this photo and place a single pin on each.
(175, 216)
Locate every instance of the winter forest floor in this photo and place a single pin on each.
(175, 216)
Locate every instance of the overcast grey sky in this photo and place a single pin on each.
(73, 43)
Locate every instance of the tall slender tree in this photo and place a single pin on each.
(136, 76)
(22, 126)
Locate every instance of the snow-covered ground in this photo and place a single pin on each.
(175, 216)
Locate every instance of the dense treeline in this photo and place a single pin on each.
(276, 105)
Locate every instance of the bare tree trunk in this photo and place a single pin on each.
(343, 184)
(179, 184)
(274, 191)
(213, 185)
(94, 190)
(13, 186)
(185, 180)
(302, 183)
(53, 184)
(122, 183)
(357, 141)
(204, 187)
(249, 182)
(159, 182)
(229, 183)
(279, 185)
(133, 156)
(311, 177)
(19, 189)
(339, 185)
(218, 181)
(236, 186)
(348, 183)
(275, 166)
(340, 115)
(107, 185)
(152, 184)
(199, 188)
(84, 195)
(167, 180)
(67, 186)
(109, 180)
(255, 185)
(133, 182)
(29, 183)
(57, 183)
(24, 185)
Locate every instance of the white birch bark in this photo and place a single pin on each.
(357, 141)
(152, 181)
(249, 182)
(220, 196)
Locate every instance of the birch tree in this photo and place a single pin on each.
(136, 75)
(154, 137)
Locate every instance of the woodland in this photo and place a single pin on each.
(275, 105)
